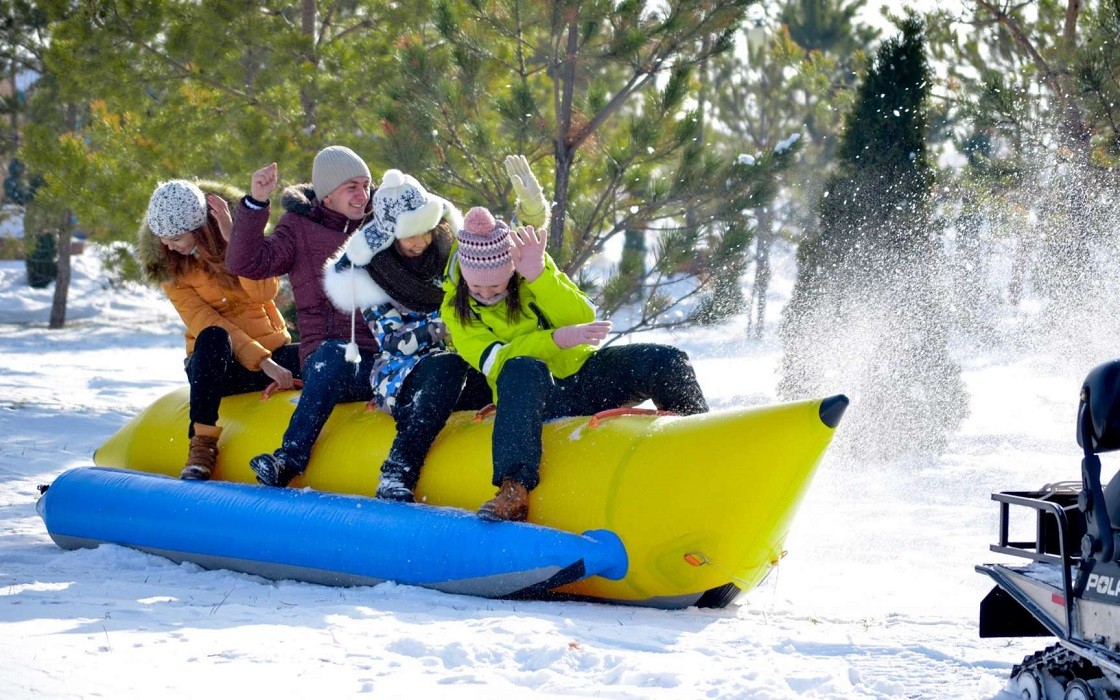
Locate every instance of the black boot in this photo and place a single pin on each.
(272, 470)
(396, 478)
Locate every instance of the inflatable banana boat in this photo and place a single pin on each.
(702, 504)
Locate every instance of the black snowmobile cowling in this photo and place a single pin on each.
(1100, 394)
(1071, 588)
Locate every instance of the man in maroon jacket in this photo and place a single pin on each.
(316, 223)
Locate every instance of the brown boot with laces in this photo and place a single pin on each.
(511, 503)
(203, 456)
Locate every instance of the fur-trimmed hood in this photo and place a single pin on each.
(299, 199)
(153, 263)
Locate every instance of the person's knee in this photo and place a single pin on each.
(213, 339)
(438, 378)
(447, 367)
(675, 358)
(657, 357)
(327, 361)
(522, 374)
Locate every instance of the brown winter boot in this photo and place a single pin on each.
(204, 453)
(511, 503)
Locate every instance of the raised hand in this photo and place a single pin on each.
(220, 210)
(528, 251)
(581, 334)
(263, 183)
(530, 198)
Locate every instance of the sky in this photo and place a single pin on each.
(877, 596)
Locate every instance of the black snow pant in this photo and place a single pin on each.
(616, 376)
(213, 372)
(436, 386)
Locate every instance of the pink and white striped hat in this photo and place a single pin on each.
(484, 247)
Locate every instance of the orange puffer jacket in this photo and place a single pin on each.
(247, 313)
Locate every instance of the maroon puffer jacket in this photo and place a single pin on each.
(305, 236)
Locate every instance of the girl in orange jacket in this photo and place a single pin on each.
(236, 339)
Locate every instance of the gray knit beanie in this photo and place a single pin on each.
(175, 208)
(333, 166)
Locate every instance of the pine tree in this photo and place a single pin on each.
(597, 96)
(213, 89)
(795, 79)
(867, 316)
(1035, 103)
(42, 261)
(828, 26)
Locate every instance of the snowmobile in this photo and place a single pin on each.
(1070, 589)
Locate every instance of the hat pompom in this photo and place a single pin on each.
(352, 353)
(392, 178)
(479, 221)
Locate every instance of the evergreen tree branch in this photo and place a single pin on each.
(366, 23)
(185, 71)
(1021, 38)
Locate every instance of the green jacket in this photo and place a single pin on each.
(489, 340)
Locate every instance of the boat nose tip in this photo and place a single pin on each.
(832, 410)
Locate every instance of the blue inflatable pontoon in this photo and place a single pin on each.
(319, 537)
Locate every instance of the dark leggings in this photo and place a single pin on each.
(213, 372)
(436, 386)
(624, 375)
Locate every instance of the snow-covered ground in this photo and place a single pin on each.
(877, 597)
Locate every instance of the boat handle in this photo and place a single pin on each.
(613, 412)
(484, 411)
(267, 393)
(594, 423)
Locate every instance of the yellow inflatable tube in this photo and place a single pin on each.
(702, 503)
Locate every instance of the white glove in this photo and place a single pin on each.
(531, 206)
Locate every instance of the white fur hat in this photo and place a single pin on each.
(402, 208)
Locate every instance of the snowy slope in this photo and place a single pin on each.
(877, 597)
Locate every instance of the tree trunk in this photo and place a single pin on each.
(565, 148)
(1020, 262)
(65, 233)
(307, 98)
(764, 239)
(560, 207)
(15, 137)
(62, 281)
(690, 218)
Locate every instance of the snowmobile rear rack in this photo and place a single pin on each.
(1053, 543)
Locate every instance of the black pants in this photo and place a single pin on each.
(436, 386)
(213, 372)
(616, 376)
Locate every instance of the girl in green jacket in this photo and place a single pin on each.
(514, 316)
